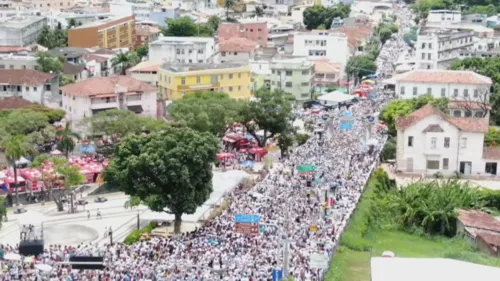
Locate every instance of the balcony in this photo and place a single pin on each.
(103, 103)
(198, 87)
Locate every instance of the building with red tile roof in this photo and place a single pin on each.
(255, 31)
(236, 49)
(430, 141)
(14, 103)
(31, 85)
(145, 34)
(91, 96)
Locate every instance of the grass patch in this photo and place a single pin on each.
(135, 235)
(360, 242)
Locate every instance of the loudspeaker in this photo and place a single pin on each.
(87, 259)
(31, 248)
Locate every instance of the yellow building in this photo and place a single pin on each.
(176, 80)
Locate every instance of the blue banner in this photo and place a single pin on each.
(277, 274)
(243, 218)
(346, 126)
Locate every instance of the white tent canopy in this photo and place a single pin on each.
(22, 161)
(336, 97)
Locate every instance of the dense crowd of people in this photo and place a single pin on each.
(293, 203)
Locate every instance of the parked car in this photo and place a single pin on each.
(100, 199)
(81, 202)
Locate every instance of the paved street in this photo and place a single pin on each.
(73, 229)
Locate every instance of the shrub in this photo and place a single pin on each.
(135, 235)
(301, 138)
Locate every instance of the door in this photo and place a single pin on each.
(465, 168)
(409, 165)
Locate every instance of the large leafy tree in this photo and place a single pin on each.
(15, 147)
(142, 51)
(125, 60)
(271, 113)
(319, 15)
(53, 38)
(170, 171)
(206, 111)
(229, 4)
(49, 63)
(187, 27)
(359, 66)
(67, 139)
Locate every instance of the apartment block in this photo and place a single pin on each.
(177, 80)
(318, 44)
(109, 33)
(182, 49)
(255, 31)
(21, 31)
(293, 75)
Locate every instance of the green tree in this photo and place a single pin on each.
(389, 150)
(142, 51)
(49, 63)
(206, 111)
(492, 138)
(271, 113)
(259, 12)
(67, 139)
(359, 66)
(183, 27)
(422, 7)
(214, 22)
(124, 61)
(319, 15)
(71, 23)
(169, 171)
(52, 39)
(14, 148)
(53, 115)
(23, 122)
(229, 4)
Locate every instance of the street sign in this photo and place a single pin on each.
(317, 260)
(247, 228)
(277, 274)
(371, 119)
(244, 218)
(272, 228)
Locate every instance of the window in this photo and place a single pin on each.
(414, 91)
(429, 56)
(239, 88)
(429, 91)
(34, 89)
(432, 165)
(423, 56)
(305, 72)
(288, 84)
(430, 45)
(491, 168)
(27, 89)
(455, 93)
(278, 84)
(457, 113)
(443, 92)
(402, 91)
(479, 114)
(446, 163)
(466, 93)
(231, 76)
(410, 141)
(433, 143)
(200, 51)
(230, 89)
(47, 87)
(198, 79)
(178, 51)
(476, 93)
(446, 142)
(288, 73)
(239, 75)
(463, 143)
(305, 84)
(183, 81)
(423, 45)
(213, 79)
(272, 71)
(278, 72)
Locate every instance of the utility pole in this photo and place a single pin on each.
(110, 236)
(138, 221)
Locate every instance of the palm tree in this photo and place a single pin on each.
(125, 61)
(228, 5)
(67, 139)
(14, 148)
(259, 12)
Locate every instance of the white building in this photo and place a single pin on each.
(444, 16)
(31, 85)
(437, 48)
(146, 71)
(465, 86)
(88, 97)
(429, 141)
(54, 18)
(293, 75)
(322, 44)
(21, 31)
(11, 61)
(124, 8)
(236, 49)
(182, 49)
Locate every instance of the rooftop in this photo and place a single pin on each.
(355, 34)
(99, 22)
(72, 69)
(325, 66)
(105, 86)
(20, 22)
(14, 103)
(467, 124)
(443, 77)
(237, 44)
(182, 40)
(97, 58)
(26, 77)
(70, 52)
(490, 238)
(146, 30)
(478, 219)
(147, 66)
(184, 67)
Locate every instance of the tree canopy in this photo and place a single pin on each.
(398, 108)
(49, 63)
(320, 15)
(359, 66)
(187, 27)
(271, 113)
(385, 29)
(53, 38)
(169, 171)
(206, 111)
(489, 67)
(121, 123)
(125, 60)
